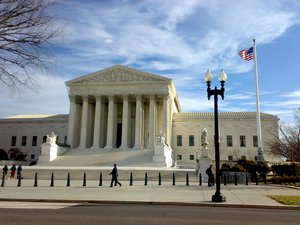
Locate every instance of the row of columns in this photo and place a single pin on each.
(84, 126)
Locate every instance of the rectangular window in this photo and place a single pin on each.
(13, 140)
(191, 140)
(229, 141)
(179, 140)
(255, 141)
(44, 139)
(24, 139)
(192, 157)
(34, 140)
(230, 157)
(179, 157)
(32, 156)
(243, 141)
(244, 157)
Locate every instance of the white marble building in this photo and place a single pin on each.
(120, 108)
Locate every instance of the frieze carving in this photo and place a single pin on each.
(120, 74)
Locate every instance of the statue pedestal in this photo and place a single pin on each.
(48, 153)
(204, 164)
(163, 154)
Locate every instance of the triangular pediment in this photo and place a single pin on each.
(117, 74)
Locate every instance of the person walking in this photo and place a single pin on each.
(13, 171)
(19, 172)
(5, 170)
(211, 179)
(114, 176)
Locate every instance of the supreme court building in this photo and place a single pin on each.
(123, 109)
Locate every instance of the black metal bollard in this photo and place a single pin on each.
(19, 181)
(187, 179)
(130, 183)
(200, 179)
(146, 179)
(3, 180)
(52, 180)
(225, 181)
(84, 180)
(35, 180)
(174, 181)
(235, 179)
(100, 179)
(68, 180)
(256, 179)
(246, 179)
(159, 179)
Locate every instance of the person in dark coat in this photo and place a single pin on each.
(5, 169)
(19, 172)
(211, 179)
(114, 176)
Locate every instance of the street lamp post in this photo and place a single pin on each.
(217, 197)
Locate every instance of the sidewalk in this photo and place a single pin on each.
(180, 194)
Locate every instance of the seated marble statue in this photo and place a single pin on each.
(161, 137)
(51, 138)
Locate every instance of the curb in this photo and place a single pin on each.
(193, 204)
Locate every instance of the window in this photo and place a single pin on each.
(244, 157)
(230, 157)
(255, 141)
(13, 140)
(44, 139)
(243, 141)
(179, 140)
(192, 157)
(32, 156)
(179, 157)
(34, 140)
(229, 140)
(24, 139)
(255, 158)
(191, 140)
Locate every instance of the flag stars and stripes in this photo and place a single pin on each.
(247, 54)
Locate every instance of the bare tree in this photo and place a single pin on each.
(26, 30)
(288, 142)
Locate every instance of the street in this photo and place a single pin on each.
(12, 213)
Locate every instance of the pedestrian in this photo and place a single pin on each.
(13, 171)
(19, 172)
(211, 179)
(114, 176)
(5, 169)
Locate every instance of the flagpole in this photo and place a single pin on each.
(260, 156)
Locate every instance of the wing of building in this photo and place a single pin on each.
(131, 113)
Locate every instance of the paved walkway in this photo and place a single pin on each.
(236, 196)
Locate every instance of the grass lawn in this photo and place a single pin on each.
(286, 200)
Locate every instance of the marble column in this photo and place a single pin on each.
(71, 124)
(152, 121)
(137, 142)
(125, 120)
(110, 122)
(165, 116)
(97, 124)
(84, 120)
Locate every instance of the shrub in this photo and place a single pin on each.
(286, 169)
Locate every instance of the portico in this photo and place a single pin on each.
(120, 107)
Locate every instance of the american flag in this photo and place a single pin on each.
(247, 54)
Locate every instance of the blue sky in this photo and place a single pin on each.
(179, 40)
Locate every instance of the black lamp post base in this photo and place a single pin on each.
(218, 198)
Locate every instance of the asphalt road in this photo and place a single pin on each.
(14, 213)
